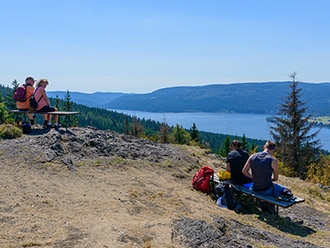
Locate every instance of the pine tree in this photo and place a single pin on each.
(9, 101)
(291, 131)
(253, 148)
(126, 128)
(194, 133)
(1, 97)
(70, 120)
(245, 144)
(181, 136)
(225, 149)
(57, 105)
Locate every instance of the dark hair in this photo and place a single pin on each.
(29, 78)
(270, 145)
(236, 143)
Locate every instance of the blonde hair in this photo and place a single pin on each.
(41, 81)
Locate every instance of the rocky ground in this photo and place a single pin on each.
(84, 187)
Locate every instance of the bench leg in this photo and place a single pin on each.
(276, 210)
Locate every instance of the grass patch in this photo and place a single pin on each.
(10, 132)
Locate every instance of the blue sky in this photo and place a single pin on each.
(140, 46)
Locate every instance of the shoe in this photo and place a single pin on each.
(56, 126)
(32, 122)
(45, 124)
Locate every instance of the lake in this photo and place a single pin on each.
(252, 125)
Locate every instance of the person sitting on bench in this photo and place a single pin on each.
(44, 104)
(235, 162)
(263, 165)
(24, 106)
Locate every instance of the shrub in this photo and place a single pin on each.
(4, 115)
(319, 171)
(10, 132)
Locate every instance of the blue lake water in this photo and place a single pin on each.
(252, 125)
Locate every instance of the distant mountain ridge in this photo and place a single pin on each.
(97, 99)
(258, 98)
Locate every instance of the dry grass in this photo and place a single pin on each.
(112, 202)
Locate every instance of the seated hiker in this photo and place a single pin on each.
(24, 106)
(263, 165)
(235, 162)
(44, 104)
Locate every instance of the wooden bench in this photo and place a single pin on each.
(269, 199)
(66, 114)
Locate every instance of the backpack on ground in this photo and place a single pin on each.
(19, 94)
(226, 198)
(26, 127)
(202, 179)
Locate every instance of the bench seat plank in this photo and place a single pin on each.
(266, 198)
(269, 199)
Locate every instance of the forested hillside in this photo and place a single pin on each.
(97, 99)
(258, 98)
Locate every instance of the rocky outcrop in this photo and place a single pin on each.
(78, 144)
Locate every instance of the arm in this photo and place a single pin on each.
(45, 97)
(275, 169)
(228, 167)
(246, 168)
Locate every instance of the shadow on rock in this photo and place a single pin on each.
(286, 225)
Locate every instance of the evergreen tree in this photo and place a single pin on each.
(253, 147)
(225, 149)
(245, 144)
(1, 97)
(181, 136)
(126, 129)
(291, 131)
(58, 106)
(194, 133)
(9, 101)
(57, 103)
(70, 120)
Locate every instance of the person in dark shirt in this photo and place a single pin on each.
(235, 162)
(264, 169)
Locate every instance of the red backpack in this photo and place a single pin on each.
(20, 92)
(202, 178)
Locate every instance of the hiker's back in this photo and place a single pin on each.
(237, 159)
(261, 166)
(38, 96)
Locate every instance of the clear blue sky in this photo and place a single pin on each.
(140, 46)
